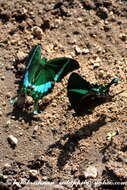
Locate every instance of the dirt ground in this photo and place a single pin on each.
(56, 146)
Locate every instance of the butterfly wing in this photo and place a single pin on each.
(80, 93)
(34, 56)
(39, 78)
(60, 67)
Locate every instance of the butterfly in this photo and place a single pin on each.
(85, 96)
(40, 75)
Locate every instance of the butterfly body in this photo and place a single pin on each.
(40, 74)
(85, 96)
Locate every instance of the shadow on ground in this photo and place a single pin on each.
(73, 140)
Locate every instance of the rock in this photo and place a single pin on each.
(21, 67)
(96, 65)
(91, 171)
(2, 77)
(36, 128)
(85, 51)
(7, 165)
(88, 4)
(12, 140)
(8, 123)
(8, 95)
(21, 55)
(102, 12)
(78, 50)
(33, 173)
(101, 73)
(29, 100)
(37, 32)
(123, 37)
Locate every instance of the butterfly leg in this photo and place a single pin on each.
(36, 109)
(13, 100)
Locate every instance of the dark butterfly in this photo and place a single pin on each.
(40, 75)
(85, 96)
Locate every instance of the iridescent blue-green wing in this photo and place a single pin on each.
(39, 78)
(32, 66)
(34, 56)
(61, 67)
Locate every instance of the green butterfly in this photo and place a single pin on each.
(40, 75)
(85, 96)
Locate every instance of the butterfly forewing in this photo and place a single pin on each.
(34, 56)
(62, 66)
(79, 92)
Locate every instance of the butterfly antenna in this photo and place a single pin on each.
(119, 93)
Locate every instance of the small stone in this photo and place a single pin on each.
(123, 37)
(101, 73)
(96, 65)
(37, 32)
(21, 67)
(102, 12)
(7, 165)
(85, 51)
(12, 140)
(8, 95)
(78, 50)
(88, 4)
(35, 129)
(91, 171)
(29, 100)
(33, 173)
(2, 77)
(8, 123)
(21, 55)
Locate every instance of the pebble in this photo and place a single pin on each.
(29, 100)
(33, 173)
(21, 55)
(2, 77)
(21, 67)
(85, 51)
(78, 50)
(101, 73)
(12, 140)
(96, 65)
(8, 95)
(37, 32)
(8, 123)
(7, 165)
(102, 12)
(35, 129)
(123, 37)
(91, 171)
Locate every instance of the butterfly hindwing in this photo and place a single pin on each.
(62, 66)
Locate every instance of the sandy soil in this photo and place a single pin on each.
(56, 146)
